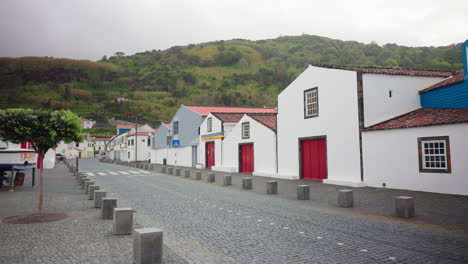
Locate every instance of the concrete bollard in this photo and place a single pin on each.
(91, 190)
(147, 246)
(123, 221)
(170, 170)
(210, 177)
(163, 169)
(404, 206)
(187, 173)
(345, 198)
(247, 183)
(272, 187)
(227, 180)
(198, 175)
(98, 196)
(177, 172)
(107, 208)
(87, 184)
(303, 192)
(84, 181)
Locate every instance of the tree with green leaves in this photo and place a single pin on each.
(44, 129)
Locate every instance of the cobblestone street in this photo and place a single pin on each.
(208, 223)
(82, 237)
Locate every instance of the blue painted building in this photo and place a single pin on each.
(450, 93)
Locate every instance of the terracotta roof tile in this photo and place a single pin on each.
(229, 117)
(456, 78)
(205, 110)
(269, 120)
(424, 117)
(389, 71)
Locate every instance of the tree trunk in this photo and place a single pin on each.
(41, 185)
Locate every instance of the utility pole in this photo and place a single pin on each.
(136, 138)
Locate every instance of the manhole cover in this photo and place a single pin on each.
(34, 218)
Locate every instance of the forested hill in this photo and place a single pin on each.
(233, 73)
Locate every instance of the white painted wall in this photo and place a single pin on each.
(158, 155)
(378, 106)
(391, 157)
(216, 127)
(338, 120)
(143, 148)
(175, 156)
(264, 141)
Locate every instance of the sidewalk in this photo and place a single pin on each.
(82, 237)
(433, 210)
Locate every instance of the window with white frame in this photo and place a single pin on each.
(245, 130)
(209, 124)
(311, 103)
(176, 127)
(434, 154)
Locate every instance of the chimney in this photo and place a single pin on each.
(465, 59)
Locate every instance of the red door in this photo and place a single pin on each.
(210, 154)
(246, 158)
(314, 159)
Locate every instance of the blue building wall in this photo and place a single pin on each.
(451, 96)
(122, 130)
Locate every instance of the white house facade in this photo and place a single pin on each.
(184, 133)
(321, 116)
(250, 147)
(138, 143)
(404, 153)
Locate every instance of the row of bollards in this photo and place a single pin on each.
(404, 206)
(147, 242)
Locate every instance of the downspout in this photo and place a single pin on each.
(222, 140)
(276, 138)
(360, 97)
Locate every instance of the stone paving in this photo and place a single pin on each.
(80, 238)
(449, 212)
(208, 223)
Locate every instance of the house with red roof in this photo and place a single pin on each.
(425, 149)
(184, 133)
(249, 147)
(323, 112)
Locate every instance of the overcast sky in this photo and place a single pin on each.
(89, 29)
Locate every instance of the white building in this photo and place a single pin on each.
(139, 142)
(424, 150)
(87, 123)
(85, 148)
(322, 113)
(184, 133)
(213, 130)
(100, 144)
(118, 147)
(250, 146)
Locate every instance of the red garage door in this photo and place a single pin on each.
(246, 158)
(314, 159)
(210, 155)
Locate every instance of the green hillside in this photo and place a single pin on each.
(233, 73)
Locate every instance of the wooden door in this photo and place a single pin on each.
(314, 159)
(210, 154)
(246, 157)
